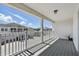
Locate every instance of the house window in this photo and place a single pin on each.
(6, 29)
(13, 29)
(19, 29)
(2, 29)
(25, 29)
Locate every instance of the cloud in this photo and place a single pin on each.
(15, 21)
(1, 15)
(22, 23)
(50, 26)
(30, 25)
(8, 19)
(18, 16)
(5, 18)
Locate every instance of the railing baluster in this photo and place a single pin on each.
(12, 44)
(15, 43)
(0, 44)
(5, 45)
(9, 44)
(20, 46)
(26, 40)
(21, 41)
(18, 42)
(0, 48)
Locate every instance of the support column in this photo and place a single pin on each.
(42, 21)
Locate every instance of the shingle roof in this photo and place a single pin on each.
(12, 25)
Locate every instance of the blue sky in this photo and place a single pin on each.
(10, 15)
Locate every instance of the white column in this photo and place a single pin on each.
(42, 29)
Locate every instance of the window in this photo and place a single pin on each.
(13, 29)
(25, 29)
(2, 29)
(19, 29)
(6, 29)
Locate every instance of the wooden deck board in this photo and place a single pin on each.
(60, 48)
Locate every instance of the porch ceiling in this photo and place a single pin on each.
(65, 10)
(46, 10)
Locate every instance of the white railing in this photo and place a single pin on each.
(12, 42)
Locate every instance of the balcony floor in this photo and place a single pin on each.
(60, 48)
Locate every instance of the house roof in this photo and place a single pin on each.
(12, 25)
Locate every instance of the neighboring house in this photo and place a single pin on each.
(11, 27)
(11, 31)
(31, 33)
(37, 32)
(47, 31)
(16, 30)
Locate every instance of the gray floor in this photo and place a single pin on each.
(60, 48)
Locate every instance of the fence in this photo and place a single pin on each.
(12, 43)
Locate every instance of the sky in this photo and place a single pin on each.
(10, 15)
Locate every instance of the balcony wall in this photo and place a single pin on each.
(63, 29)
(76, 29)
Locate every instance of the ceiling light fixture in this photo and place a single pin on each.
(55, 11)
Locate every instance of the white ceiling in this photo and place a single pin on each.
(65, 10)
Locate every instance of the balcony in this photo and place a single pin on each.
(29, 30)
